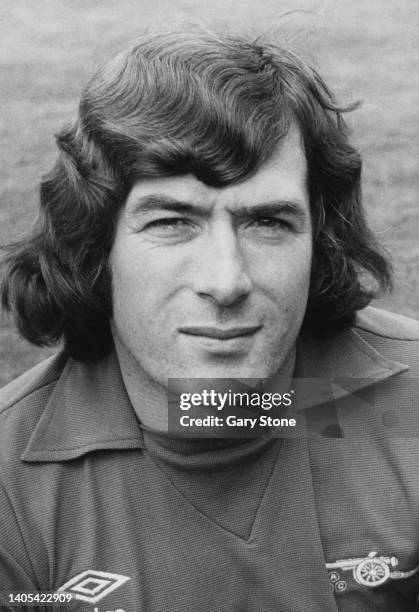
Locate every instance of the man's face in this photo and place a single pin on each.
(213, 282)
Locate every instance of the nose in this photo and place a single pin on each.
(221, 274)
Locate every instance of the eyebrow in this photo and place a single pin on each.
(161, 202)
(155, 202)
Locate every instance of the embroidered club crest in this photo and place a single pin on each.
(370, 571)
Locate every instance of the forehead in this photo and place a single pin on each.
(283, 175)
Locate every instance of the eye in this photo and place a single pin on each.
(168, 223)
(272, 223)
(170, 229)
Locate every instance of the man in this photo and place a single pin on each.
(204, 221)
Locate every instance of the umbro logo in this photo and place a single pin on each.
(92, 586)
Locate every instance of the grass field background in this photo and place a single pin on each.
(367, 50)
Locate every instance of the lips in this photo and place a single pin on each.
(220, 333)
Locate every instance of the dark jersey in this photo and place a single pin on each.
(122, 519)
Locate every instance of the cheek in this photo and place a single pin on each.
(141, 285)
(287, 278)
(128, 284)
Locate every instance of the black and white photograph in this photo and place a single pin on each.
(209, 330)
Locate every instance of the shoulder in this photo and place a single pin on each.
(394, 336)
(30, 382)
(22, 403)
(387, 324)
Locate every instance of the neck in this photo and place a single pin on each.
(149, 398)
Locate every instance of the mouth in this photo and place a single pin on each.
(219, 333)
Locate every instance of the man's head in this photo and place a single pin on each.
(224, 124)
(213, 282)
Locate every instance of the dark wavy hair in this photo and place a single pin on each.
(171, 104)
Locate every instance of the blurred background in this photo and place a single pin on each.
(366, 51)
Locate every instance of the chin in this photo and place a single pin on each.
(228, 371)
